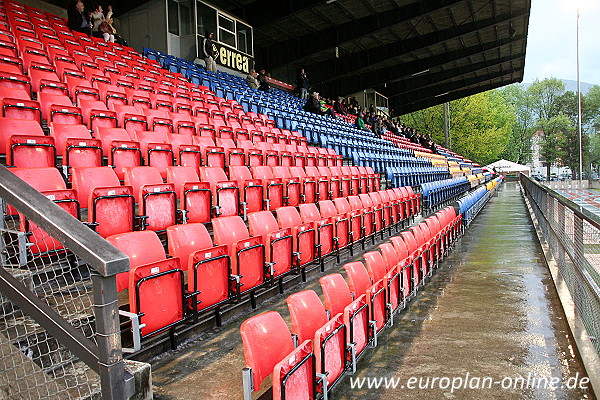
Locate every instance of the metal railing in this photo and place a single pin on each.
(59, 320)
(573, 236)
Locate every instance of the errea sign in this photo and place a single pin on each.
(233, 59)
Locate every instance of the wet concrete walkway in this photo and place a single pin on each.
(490, 312)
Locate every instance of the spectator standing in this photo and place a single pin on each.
(209, 52)
(302, 84)
(251, 79)
(97, 17)
(76, 19)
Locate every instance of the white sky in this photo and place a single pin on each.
(552, 38)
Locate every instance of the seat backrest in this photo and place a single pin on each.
(366, 200)
(409, 240)
(376, 265)
(342, 205)
(261, 223)
(84, 180)
(239, 173)
(375, 198)
(327, 208)
(400, 247)
(288, 217)
(281, 172)
(142, 247)
(433, 224)
(186, 239)
(336, 293)
(309, 212)
(358, 278)
(425, 230)
(389, 255)
(312, 171)
(325, 171)
(140, 176)
(267, 340)
(418, 235)
(229, 230)
(297, 172)
(306, 313)
(355, 203)
(212, 175)
(41, 179)
(262, 172)
(178, 175)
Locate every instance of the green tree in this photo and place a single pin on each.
(544, 95)
(521, 100)
(554, 145)
(480, 125)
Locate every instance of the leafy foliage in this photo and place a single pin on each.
(500, 124)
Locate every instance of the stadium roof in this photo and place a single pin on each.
(417, 53)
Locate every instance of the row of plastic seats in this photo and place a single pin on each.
(327, 339)
(471, 204)
(201, 193)
(414, 176)
(437, 192)
(241, 259)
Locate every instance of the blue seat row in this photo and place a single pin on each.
(437, 192)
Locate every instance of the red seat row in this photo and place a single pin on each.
(331, 336)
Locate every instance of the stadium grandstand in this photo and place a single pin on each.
(170, 232)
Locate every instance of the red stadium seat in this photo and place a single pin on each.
(252, 190)
(269, 349)
(225, 192)
(338, 300)
(208, 266)
(310, 322)
(323, 226)
(121, 151)
(247, 254)
(278, 242)
(151, 273)
(110, 206)
(76, 146)
(341, 225)
(360, 283)
(273, 187)
(305, 236)
(157, 201)
(195, 199)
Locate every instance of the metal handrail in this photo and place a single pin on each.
(105, 357)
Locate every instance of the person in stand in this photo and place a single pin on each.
(263, 83)
(338, 107)
(302, 84)
(97, 18)
(359, 122)
(251, 79)
(76, 19)
(209, 52)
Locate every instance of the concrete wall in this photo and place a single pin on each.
(146, 26)
(45, 6)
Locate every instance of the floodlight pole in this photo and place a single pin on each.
(579, 110)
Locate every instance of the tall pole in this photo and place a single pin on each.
(579, 110)
(447, 125)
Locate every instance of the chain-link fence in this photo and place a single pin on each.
(59, 325)
(573, 236)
